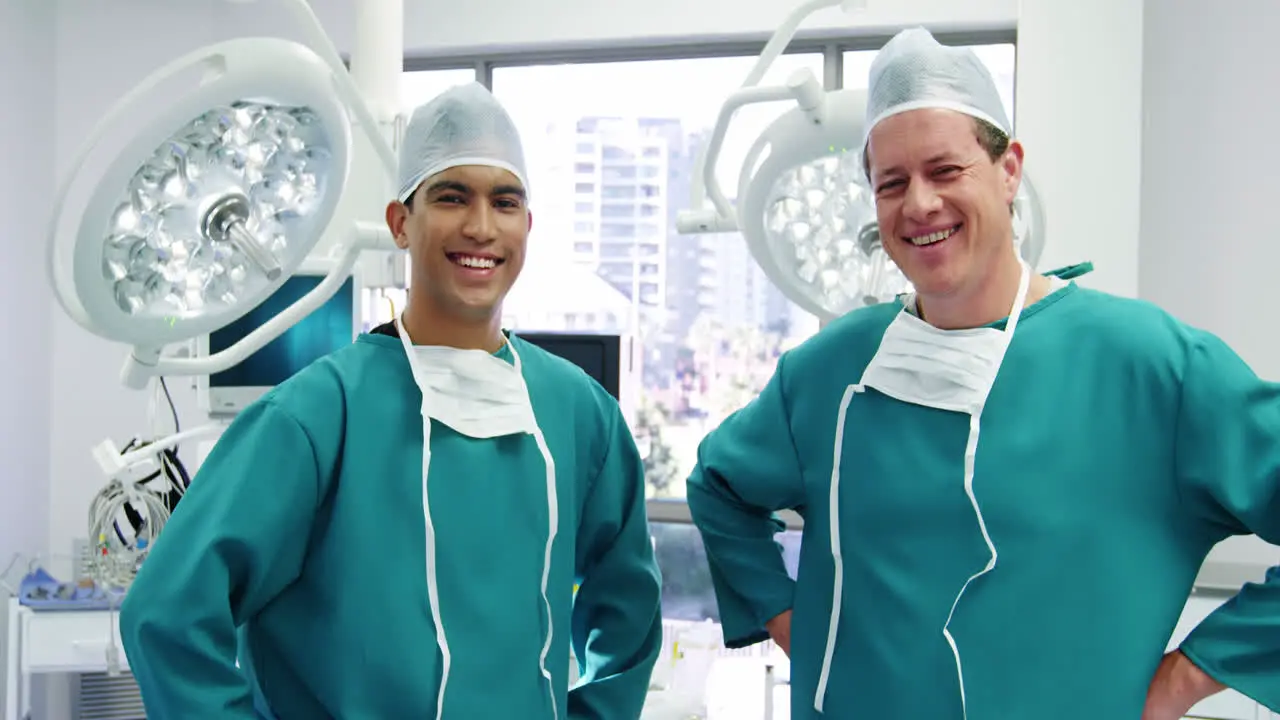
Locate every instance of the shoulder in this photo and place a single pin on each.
(1116, 315)
(1102, 333)
(852, 337)
(317, 397)
(1126, 328)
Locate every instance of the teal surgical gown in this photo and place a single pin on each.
(304, 528)
(1118, 445)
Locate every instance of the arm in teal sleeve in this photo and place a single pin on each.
(617, 614)
(1228, 455)
(235, 540)
(747, 470)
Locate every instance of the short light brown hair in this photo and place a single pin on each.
(991, 139)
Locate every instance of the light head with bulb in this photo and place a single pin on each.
(808, 214)
(200, 192)
(804, 204)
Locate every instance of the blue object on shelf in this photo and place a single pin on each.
(41, 591)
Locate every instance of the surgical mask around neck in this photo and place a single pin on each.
(471, 391)
(948, 369)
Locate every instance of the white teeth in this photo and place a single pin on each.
(476, 262)
(932, 238)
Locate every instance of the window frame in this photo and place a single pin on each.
(832, 47)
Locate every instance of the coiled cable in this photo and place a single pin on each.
(127, 515)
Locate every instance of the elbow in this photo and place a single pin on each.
(696, 485)
(645, 590)
(705, 492)
(147, 626)
(136, 633)
(130, 619)
(646, 597)
(647, 619)
(653, 591)
(139, 628)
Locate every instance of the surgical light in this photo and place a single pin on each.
(803, 203)
(196, 213)
(199, 194)
(202, 191)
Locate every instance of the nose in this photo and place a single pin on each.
(480, 225)
(921, 201)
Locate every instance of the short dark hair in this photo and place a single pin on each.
(991, 139)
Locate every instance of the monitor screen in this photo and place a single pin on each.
(330, 327)
(599, 356)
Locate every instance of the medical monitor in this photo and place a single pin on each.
(330, 327)
(608, 359)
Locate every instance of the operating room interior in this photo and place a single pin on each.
(1149, 130)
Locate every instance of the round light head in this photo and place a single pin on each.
(809, 216)
(201, 191)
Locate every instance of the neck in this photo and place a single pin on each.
(428, 325)
(985, 304)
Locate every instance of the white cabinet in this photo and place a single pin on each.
(62, 642)
(55, 642)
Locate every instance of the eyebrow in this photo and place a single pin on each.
(935, 160)
(455, 186)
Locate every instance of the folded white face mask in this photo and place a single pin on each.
(471, 391)
(948, 369)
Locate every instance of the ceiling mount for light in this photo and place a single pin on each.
(803, 204)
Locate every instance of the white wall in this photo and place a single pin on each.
(26, 181)
(1078, 110)
(1210, 180)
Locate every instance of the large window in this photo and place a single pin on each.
(686, 582)
(612, 146)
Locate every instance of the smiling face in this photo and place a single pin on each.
(943, 203)
(466, 230)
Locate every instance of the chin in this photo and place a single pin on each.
(934, 282)
(477, 310)
(477, 305)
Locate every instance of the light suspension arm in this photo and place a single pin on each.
(346, 85)
(801, 86)
(786, 32)
(145, 362)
